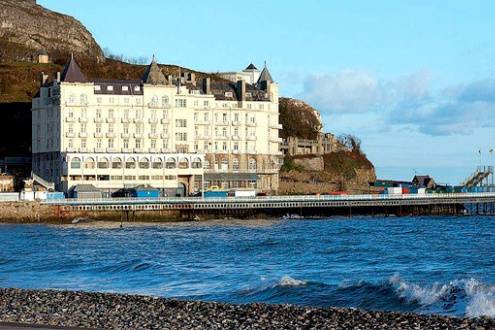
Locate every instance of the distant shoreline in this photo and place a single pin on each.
(118, 311)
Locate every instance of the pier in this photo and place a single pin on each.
(427, 204)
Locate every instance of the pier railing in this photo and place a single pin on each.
(268, 202)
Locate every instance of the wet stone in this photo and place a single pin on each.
(116, 311)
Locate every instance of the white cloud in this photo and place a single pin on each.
(408, 100)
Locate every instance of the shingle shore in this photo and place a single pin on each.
(116, 311)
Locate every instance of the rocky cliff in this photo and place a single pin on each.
(27, 28)
(299, 119)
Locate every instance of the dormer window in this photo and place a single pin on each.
(97, 88)
(137, 89)
(110, 88)
(249, 94)
(125, 88)
(229, 94)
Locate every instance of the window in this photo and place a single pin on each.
(84, 113)
(170, 163)
(252, 164)
(75, 163)
(181, 137)
(117, 163)
(98, 113)
(98, 143)
(205, 104)
(206, 117)
(126, 143)
(206, 165)
(205, 146)
(224, 146)
(183, 163)
(153, 144)
(236, 132)
(236, 146)
(164, 101)
(83, 143)
(235, 164)
(225, 164)
(157, 163)
(71, 128)
(110, 113)
(224, 132)
(130, 163)
(126, 100)
(153, 114)
(236, 117)
(125, 89)
(144, 163)
(89, 163)
(180, 103)
(137, 88)
(97, 88)
(229, 94)
(181, 123)
(153, 129)
(154, 101)
(126, 128)
(99, 100)
(139, 128)
(110, 128)
(98, 128)
(103, 163)
(126, 113)
(110, 88)
(138, 143)
(225, 117)
(196, 117)
(110, 143)
(197, 163)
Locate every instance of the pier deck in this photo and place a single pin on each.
(271, 202)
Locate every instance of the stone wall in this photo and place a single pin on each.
(311, 164)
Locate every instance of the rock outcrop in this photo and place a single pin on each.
(26, 29)
(298, 119)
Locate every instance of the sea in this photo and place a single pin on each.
(427, 265)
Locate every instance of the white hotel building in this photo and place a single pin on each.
(178, 134)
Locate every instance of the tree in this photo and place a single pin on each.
(351, 142)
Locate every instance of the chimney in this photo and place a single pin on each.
(43, 79)
(241, 90)
(170, 79)
(58, 77)
(207, 85)
(193, 78)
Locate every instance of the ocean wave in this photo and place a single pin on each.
(462, 297)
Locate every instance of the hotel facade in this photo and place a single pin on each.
(178, 134)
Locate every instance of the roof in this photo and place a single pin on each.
(154, 75)
(251, 67)
(72, 72)
(85, 188)
(265, 76)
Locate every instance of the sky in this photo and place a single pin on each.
(414, 80)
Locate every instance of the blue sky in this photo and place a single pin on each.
(415, 80)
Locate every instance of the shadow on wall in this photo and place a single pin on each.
(15, 129)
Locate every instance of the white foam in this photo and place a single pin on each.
(289, 281)
(480, 298)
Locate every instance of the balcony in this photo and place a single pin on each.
(252, 124)
(126, 150)
(153, 121)
(111, 150)
(83, 135)
(99, 150)
(83, 120)
(276, 126)
(125, 120)
(223, 123)
(138, 150)
(83, 150)
(251, 138)
(236, 123)
(138, 120)
(154, 150)
(138, 136)
(153, 136)
(165, 135)
(125, 135)
(152, 105)
(203, 122)
(98, 120)
(70, 120)
(276, 140)
(110, 135)
(71, 149)
(99, 135)
(110, 120)
(236, 137)
(70, 135)
(165, 121)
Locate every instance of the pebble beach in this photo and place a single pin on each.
(69, 309)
